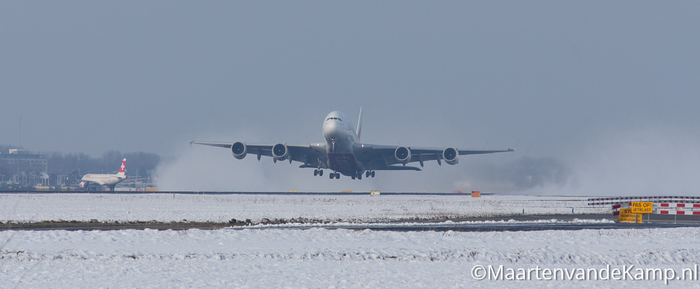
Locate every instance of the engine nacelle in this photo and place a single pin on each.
(239, 150)
(280, 151)
(82, 184)
(402, 155)
(451, 156)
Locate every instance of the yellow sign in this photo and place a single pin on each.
(626, 216)
(642, 207)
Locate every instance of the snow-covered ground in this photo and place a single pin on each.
(221, 208)
(279, 257)
(320, 258)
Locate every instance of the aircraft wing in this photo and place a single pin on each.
(482, 151)
(381, 157)
(311, 155)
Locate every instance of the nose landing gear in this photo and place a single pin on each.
(334, 175)
(318, 173)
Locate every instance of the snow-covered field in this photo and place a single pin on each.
(256, 257)
(221, 208)
(320, 258)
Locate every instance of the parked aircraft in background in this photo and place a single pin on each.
(109, 180)
(343, 153)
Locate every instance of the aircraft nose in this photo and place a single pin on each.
(330, 129)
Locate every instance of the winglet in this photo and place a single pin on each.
(359, 125)
(191, 143)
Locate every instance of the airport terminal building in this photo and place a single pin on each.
(23, 168)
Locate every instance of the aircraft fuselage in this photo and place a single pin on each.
(340, 138)
(105, 179)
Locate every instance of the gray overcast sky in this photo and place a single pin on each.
(587, 89)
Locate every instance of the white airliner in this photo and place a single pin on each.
(109, 180)
(343, 153)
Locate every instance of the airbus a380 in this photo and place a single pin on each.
(343, 153)
(109, 180)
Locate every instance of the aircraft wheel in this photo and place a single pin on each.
(320, 172)
(373, 174)
(331, 176)
(337, 176)
(353, 177)
(367, 174)
(359, 176)
(315, 173)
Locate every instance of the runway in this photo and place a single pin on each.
(329, 193)
(513, 223)
(499, 227)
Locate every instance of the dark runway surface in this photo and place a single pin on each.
(476, 224)
(334, 193)
(496, 227)
(513, 223)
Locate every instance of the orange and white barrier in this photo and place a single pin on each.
(677, 212)
(678, 205)
(664, 208)
(655, 199)
(677, 209)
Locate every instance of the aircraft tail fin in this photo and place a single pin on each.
(122, 169)
(359, 125)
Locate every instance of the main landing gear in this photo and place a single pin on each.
(367, 174)
(319, 172)
(331, 176)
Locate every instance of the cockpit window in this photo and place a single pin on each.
(336, 118)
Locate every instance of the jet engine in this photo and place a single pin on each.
(280, 152)
(402, 155)
(451, 156)
(239, 150)
(82, 184)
